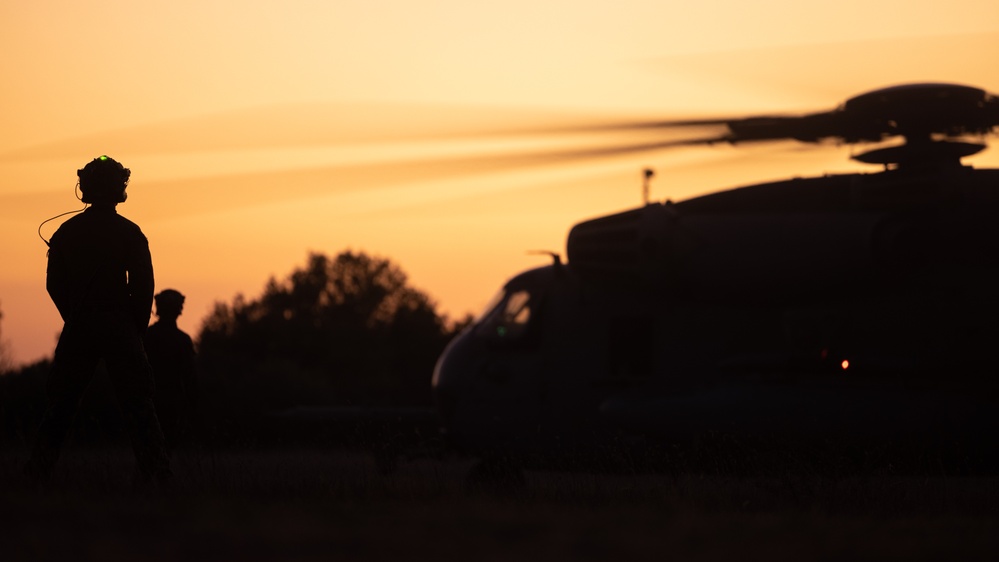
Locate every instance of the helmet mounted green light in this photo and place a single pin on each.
(103, 180)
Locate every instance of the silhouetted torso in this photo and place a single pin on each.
(99, 264)
(171, 354)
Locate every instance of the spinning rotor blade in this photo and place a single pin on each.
(908, 110)
(911, 110)
(914, 111)
(214, 192)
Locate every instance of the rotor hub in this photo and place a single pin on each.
(932, 153)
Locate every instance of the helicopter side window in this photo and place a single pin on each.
(510, 319)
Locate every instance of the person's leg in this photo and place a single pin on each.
(72, 370)
(132, 378)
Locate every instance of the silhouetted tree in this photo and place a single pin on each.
(351, 322)
(22, 402)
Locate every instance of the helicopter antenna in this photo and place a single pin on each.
(556, 258)
(647, 175)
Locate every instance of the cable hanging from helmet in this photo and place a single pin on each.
(54, 218)
(44, 222)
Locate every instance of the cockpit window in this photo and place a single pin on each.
(510, 318)
(491, 306)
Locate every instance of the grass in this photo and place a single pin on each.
(306, 504)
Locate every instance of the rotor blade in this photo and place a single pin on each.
(630, 125)
(571, 155)
(905, 110)
(303, 184)
(316, 125)
(290, 184)
(806, 127)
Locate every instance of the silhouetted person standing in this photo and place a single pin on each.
(100, 277)
(171, 354)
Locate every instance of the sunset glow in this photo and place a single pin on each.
(258, 131)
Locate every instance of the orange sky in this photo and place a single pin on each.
(259, 131)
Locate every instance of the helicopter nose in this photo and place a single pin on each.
(447, 402)
(446, 383)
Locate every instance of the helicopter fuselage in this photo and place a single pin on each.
(857, 306)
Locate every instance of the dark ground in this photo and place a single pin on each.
(306, 504)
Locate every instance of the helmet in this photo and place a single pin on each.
(103, 180)
(169, 302)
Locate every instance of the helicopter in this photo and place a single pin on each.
(857, 308)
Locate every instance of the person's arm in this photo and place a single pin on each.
(57, 281)
(140, 282)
